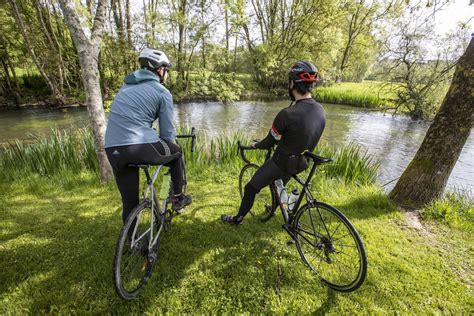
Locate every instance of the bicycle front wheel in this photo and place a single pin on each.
(136, 250)
(264, 205)
(329, 244)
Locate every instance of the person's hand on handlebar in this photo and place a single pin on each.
(255, 142)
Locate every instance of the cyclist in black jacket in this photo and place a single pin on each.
(295, 129)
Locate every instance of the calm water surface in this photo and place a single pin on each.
(392, 140)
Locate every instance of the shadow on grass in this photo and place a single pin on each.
(58, 251)
(331, 301)
(371, 205)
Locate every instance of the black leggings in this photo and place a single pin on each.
(128, 178)
(268, 172)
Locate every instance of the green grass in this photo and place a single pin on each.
(59, 226)
(58, 236)
(365, 94)
(454, 209)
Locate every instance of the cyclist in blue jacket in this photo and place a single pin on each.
(130, 137)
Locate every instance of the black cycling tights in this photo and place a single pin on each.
(268, 172)
(128, 178)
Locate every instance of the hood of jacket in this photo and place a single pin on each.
(141, 75)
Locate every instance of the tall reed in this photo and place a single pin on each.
(74, 151)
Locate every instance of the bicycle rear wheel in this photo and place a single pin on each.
(329, 244)
(264, 206)
(134, 260)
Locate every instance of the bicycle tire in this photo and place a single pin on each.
(326, 254)
(264, 206)
(130, 291)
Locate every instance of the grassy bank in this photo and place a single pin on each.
(59, 226)
(364, 94)
(224, 87)
(58, 237)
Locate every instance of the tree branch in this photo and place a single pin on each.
(99, 23)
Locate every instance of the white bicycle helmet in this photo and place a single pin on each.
(153, 59)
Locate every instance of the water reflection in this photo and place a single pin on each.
(392, 140)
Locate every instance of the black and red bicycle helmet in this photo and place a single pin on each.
(303, 71)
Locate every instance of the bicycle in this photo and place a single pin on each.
(326, 240)
(138, 244)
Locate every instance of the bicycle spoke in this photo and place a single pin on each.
(334, 232)
(348, 234)
(343, 245)
(309, 233)
(307, 240)
(331, 241)
(311, 218)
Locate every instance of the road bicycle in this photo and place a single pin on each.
(325, 239)
(138, 244)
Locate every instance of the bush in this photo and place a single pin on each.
(221, 86)
(35, 83)
(454, 209)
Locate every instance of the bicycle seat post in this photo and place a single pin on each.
(147, 174)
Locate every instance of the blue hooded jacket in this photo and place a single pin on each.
(140, 101)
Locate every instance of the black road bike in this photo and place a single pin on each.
(326, 240)
(138, 244)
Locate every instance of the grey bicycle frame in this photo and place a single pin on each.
(150, 192)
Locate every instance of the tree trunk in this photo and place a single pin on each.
(426, 176)
(16, 13)
(88, 49)
(146, 24)
(51, 45)
(227, 34)
(203, 52)
(11, 81)
(129, 22)
(235, 53)
(181, 38)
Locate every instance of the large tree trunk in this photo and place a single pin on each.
(426, 176)
(88, 49)
(12, 86)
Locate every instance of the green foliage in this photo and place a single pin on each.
(220, 86)
(455, 209)
(34, 82)
(225, 87)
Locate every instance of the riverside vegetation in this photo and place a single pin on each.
(59, 227)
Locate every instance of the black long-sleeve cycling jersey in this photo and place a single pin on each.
(295, 129)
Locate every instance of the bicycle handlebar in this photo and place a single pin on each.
(316, 159)
(242, 149)
(192, 136)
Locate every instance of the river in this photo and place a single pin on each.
(391, 140)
